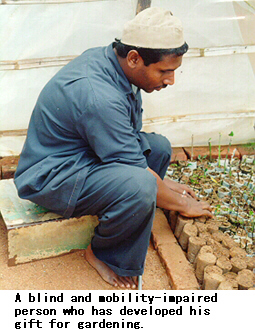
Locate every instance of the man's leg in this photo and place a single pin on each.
(124, 198)
(160, 155)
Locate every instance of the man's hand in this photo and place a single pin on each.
(195, 208)
(179, 188)
(177, 197)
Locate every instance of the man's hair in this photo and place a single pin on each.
(149, 55)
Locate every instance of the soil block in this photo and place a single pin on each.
(224, 263)
(188, 231)
(194, 246)
(225, 285)
(238, 264)
(245, 279)
(203, 260)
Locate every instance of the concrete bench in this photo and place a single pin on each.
(35, 233)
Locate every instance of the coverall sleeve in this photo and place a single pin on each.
(107, 127)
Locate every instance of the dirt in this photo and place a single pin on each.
(69, 272)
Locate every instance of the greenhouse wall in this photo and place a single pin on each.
(214, 90)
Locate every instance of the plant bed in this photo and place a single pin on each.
(212, 242)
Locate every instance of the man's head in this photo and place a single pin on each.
(151, 49)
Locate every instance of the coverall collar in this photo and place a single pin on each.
(119, 73)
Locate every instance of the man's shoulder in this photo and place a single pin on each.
(94, 53)
(91, 77)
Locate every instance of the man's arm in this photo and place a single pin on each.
(172, 200)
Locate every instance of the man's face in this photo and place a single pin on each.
(157, 75)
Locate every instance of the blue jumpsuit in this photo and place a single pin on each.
(85, 154)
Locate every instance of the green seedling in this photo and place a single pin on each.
(217, 209)
(241, 223)
(192, 144)
(219, 149)
(229, 145)
(193, 181)
(245, 190)
(210, 150)
(200, 158)
(205, 172)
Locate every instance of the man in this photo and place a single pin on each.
(85, 152)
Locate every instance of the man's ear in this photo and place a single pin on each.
(133, 59)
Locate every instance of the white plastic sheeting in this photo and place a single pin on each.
(214, 93)
(215, 87)
(46, 31)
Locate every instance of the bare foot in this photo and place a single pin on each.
(107, 274)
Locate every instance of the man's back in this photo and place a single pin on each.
(85, 114)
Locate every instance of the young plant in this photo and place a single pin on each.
(201, 158)
(217, 209)
(194, 181)
(241, 223)
(219, 149)
(192, 144)
(210, 150)
(245, 190)
(230, 164)
(229, 145)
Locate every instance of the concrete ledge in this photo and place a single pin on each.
(8, 166)
(35, 233)
(49, 239)
(178, 268)
(245, 150)
(178, 154)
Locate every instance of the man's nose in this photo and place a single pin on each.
(170, 79)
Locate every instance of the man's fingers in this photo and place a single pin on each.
(207, 213)
(206, 205)
(192, 193)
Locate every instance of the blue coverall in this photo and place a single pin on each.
(85, 154)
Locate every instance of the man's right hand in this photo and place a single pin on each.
(183, 203)
(196, 208)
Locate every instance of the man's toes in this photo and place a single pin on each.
(135, 280)
(120, 282)
(130, 282)
(124, 282)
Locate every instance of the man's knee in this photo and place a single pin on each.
(165, 147)
(146, 188)
(160, 145)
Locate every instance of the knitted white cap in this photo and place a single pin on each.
(153, 28)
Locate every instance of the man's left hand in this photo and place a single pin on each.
(180, 188)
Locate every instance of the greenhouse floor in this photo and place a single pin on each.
(161, 272)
